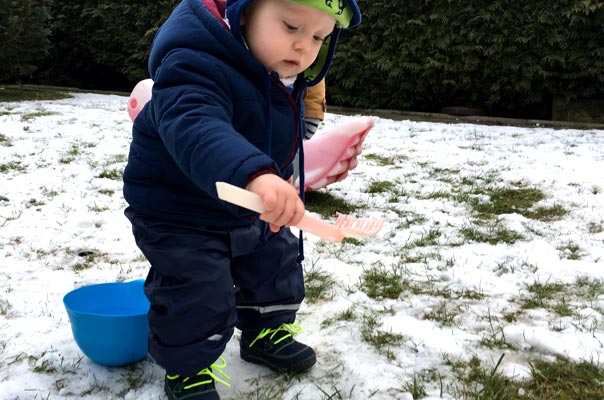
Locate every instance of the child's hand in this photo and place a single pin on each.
(282, 204)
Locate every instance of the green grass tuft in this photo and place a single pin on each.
(327, 205)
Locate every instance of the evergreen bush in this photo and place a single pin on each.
(102, 44)
(507, 57)
(23, 37)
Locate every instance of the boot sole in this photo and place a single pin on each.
(172, 396)
(296, 368)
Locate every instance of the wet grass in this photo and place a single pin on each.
(31, 93)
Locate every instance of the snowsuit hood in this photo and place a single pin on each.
(310, 77)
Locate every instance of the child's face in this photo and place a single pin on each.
(285, 36)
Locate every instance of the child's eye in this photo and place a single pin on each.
(290, 27)
(321, 39)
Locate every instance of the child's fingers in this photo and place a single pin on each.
(298, 213)
(288, 212)
(269, 200)
(292, 212)
(282, 205)
(342, 176)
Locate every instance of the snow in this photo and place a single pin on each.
(56, 204)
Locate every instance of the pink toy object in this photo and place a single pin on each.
(140, 95)
(344, 226)
(329, 155)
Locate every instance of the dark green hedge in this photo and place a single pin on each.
(508, 57)
(23, 37)
(102, 44)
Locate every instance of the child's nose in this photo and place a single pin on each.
(303, 44)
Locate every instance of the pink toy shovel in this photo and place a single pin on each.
(344, 226)
(329, 155)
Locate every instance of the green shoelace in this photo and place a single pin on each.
(218, 368)
(289, 328)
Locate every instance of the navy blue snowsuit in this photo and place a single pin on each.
(216, 114)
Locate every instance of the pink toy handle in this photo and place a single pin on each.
(251, 201)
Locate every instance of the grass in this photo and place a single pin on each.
(4, 308)
(429, 238)
(541, 293)
(347, 315)
(490, 232)
(385, 161)
(11, 166)
(493, 337)
(112, 173)
(5, 141)
(9, 93)
(30, 116)
(595, 227)
(445, 313)
(381, 340)
(570, 251)
(560, 379)
(70, 156)
(380, 282)
(510, 199)
(381, 187)
(547, 213)
(319, 285)
(328, 205)
(562, 299)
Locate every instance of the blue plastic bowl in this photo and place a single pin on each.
(109, 321)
